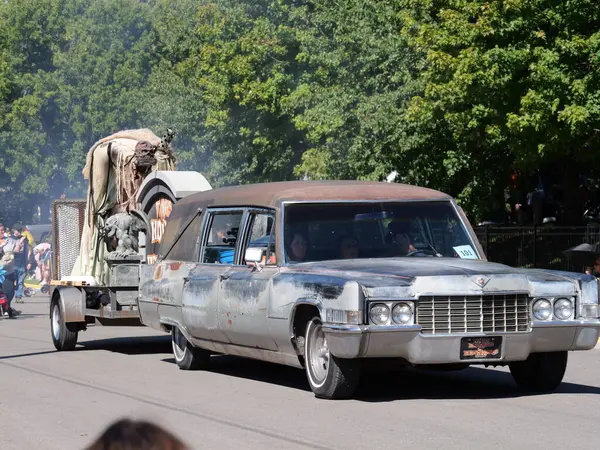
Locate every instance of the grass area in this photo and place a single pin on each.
(32, 281)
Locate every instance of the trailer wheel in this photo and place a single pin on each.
(186, 355)
(64, 335)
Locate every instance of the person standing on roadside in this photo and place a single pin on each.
(20, 249)
(2, 239)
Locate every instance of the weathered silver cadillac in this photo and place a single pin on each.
(325, 275)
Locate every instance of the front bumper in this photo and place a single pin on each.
(407, 342)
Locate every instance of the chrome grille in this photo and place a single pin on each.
(497, 313)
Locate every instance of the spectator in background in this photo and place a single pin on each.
(126, 434)
(595, 269)
(2, 239)
(19, 246)
(29, 237)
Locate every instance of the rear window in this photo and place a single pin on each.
(186, 246)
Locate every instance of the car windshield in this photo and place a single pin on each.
(328, 231)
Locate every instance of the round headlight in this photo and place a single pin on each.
(542, 309)
(402, 313)
(563, 308)
(379, 314)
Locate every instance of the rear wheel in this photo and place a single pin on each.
(541, 372)
(186, 355)
(329, 377)
(64, 335)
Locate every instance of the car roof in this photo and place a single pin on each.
(271, 195)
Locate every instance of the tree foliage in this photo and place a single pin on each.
(508, 84)
(451, 94)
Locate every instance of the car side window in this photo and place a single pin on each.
(222, 237)
(262, 235)
(185, 247)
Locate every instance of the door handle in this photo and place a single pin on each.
(186, 279)
(225, 276)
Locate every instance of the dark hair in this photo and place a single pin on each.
(127, 434)
(345, 237)
(17, 227)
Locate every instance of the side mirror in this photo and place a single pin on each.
(253, 256)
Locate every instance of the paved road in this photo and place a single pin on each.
(51, 400)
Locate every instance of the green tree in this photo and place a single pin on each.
(30, 31)
(351, 95)
(240, 58)
(76, 72)
(507, 84)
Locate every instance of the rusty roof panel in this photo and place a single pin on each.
(271, 195)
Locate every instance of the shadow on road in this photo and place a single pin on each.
(376, 385)
(23, 355)
(385, 386)
(471, 384)
(130, 346)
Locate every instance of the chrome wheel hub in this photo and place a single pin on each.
(179, 344)
(318, 354)
(56, 322)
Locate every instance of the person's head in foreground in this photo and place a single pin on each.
(126, 434)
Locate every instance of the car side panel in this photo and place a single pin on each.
(243, 306)
(200, 302)
(160, 292)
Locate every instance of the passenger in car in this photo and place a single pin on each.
(229, 236)
(348, 247)
(297, 248)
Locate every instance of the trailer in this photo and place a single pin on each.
(99, 247)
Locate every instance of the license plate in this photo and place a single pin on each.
(481, 347)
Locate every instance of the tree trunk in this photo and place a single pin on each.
(45, 210)
(573, 206)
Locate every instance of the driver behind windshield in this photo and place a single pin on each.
(399, 232)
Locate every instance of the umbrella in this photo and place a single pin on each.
(585, 254)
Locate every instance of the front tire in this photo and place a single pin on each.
(329, 377)
(541, 372)
(186, 355)
(64, 335)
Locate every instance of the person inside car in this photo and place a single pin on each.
(297, 248)
(348, 247)
(399, 238)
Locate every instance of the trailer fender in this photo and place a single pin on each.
(72, 301)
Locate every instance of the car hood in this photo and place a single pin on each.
(412, 275)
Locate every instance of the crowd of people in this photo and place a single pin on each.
(20, 258)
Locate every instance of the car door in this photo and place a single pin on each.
(203, 287)
(246, 290)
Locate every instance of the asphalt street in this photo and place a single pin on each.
(63, 400)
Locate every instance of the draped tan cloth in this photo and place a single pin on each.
(113, 184)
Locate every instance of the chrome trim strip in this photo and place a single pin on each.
(358, 329)
(566, 323)
(474, 292)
